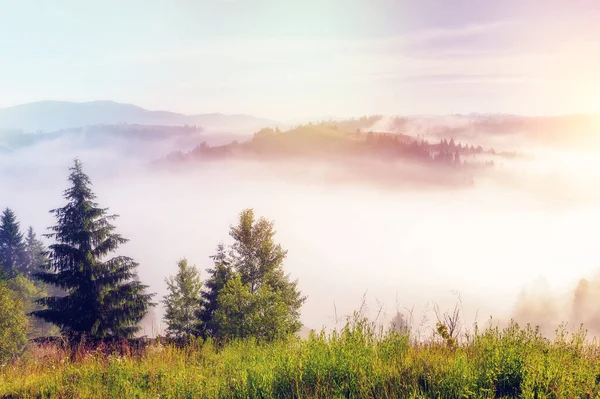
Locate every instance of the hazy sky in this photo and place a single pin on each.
(305, 58)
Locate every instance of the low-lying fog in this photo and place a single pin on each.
(516, 244)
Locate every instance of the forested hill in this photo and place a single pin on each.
(347, 157)
(332, 142)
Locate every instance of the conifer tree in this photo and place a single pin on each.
(12, 248)
(34, 254)
(218, 278)
(104, 298)
(183, 302)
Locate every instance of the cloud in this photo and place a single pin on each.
(403, 244)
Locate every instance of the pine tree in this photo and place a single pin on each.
(104, 298)
(218, 278)
(183, 302)
(34, 254)
(12, 248)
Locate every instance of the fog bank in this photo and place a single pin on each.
(404, 246)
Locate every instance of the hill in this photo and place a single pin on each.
(57, 115)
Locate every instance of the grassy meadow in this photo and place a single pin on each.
(359, 361)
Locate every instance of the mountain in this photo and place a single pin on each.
(57, 115)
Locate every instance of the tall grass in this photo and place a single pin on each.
(359, 361)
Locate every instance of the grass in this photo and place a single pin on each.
(357, 362)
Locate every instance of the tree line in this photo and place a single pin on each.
(77, 289)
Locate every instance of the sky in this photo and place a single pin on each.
(290, 59)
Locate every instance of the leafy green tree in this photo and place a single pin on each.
(34, 254)
(263, 315)
(234, 312)
(12, 248)
(12, 324)
(218, 278)
(183, 302)
(104, 298)
(255, 256)
(259, 261)
(29, 292)
(248, 291)
(3, 272)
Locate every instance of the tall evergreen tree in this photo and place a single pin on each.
(218, 278)
(34, 254)
(12, 248)
(183, 302)
(104, 298)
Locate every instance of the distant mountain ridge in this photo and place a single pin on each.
(57, 115)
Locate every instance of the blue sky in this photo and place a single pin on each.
(292, 59)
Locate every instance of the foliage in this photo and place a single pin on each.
(355, 362)
(248, 293)
(183, 302)
(104, 298)
(28, 292)
(255, 255)
(242, 313)
(12, 323)
(12, 248)
(259, 262)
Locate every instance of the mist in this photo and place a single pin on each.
(404, 245)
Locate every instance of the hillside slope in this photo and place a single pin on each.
(57, 115)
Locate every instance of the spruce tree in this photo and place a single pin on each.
(12, 248)
(34, 254)
(104, 298)
(183, 302)
(218, 278)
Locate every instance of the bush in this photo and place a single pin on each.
(12, 324)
